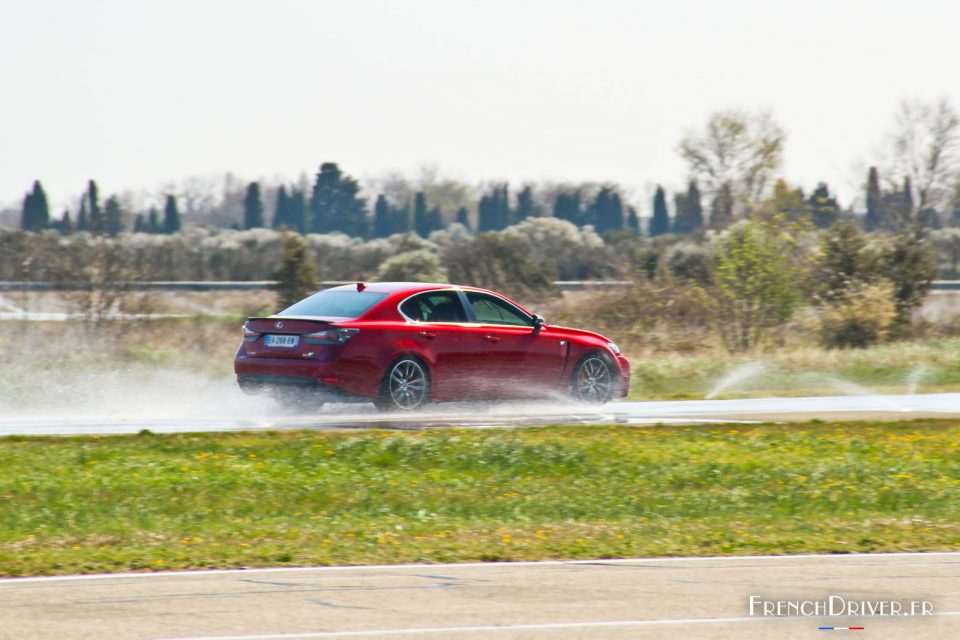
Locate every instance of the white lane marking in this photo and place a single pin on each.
(468, 565)
(554, 626)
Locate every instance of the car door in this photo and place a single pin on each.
(434, 326)
(516, 360)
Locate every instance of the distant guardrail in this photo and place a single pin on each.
(255, 285)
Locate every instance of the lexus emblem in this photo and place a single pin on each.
(279, 324)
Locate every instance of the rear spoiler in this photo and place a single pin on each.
(327, 319)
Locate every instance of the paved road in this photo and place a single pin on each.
(646, 598)
(229, 413)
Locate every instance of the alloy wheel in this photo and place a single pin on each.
(407, 384)
(594, 381)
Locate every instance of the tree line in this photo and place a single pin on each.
(733, 162)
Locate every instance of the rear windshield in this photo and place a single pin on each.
(341, 304)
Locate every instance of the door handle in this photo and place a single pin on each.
(428, 334)
(492, 338)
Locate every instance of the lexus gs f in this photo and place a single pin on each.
(402, 345)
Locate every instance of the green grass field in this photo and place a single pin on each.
(149, 502)
(925, 366)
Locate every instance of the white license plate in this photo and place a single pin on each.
(282, 341)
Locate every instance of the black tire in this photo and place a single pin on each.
(405, 386)
(594, 379)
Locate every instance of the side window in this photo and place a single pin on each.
(491, 310)
(437, 306)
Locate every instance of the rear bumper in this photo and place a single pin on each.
(267, 375)
(254, 384)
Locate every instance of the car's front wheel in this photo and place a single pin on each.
(594, 380)
(405, 386)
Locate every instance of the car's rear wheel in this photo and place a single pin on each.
(594, 380)
(405, 387)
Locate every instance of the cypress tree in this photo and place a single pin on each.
(874, 218)
(526, 207)
(503, 206)
(153, 221)
(660, 222)
(112, 217)
(421, 225)
(633, 221)
(335, 204)
(95, 215)
(171, 216)
(567, 206)
(381, 218)
(485, 214)
(434, 219)
(463, 217)
(36, 210)
(606, 211)
(252, 207)
(824, 210)
(28, 216)
(493, 213)
(66, 223)
(689, 210)
(500, 206)
(281, 210)
(297, 206)
(401, 219)
(82, 222)
(42, 207)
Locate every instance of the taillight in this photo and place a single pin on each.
(249, 335)
(331, 336)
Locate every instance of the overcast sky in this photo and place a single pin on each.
(138, 93)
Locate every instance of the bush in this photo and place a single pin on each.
(577, 253)
(690, 262)
(295, 276)
(501, 262)
(648, 316)
(862, 318)
(413, 266)
(757, 283)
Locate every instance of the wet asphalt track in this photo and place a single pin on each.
(245, 415)
(665, 598)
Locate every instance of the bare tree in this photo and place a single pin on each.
(925, 147)
(738, 149)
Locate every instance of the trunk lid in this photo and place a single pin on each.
(282, 337)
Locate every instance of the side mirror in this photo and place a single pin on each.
(538, 323)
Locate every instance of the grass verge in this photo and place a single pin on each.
(152, 502)
(926, 366)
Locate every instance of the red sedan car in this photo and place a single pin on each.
(401, 345)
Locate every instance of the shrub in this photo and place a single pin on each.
(501, 262)
(690, 262)
(295, 275)
(413, 266)
(862, 318)
(757, 283)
